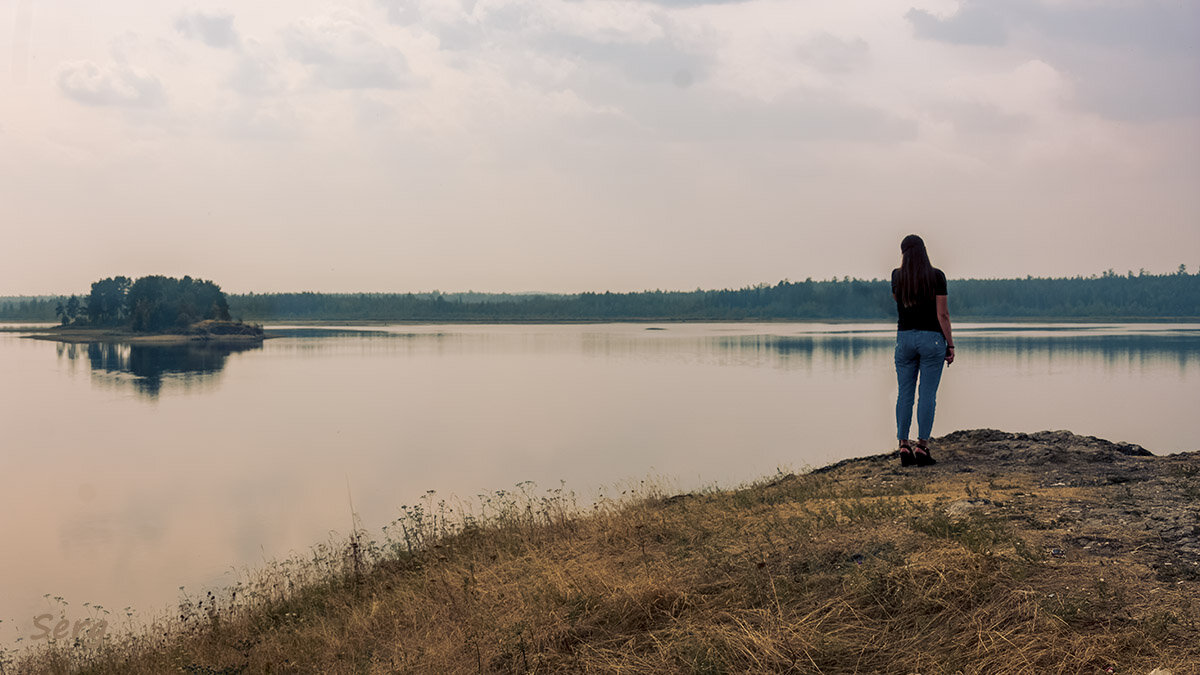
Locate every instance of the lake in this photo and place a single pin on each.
(132, 471)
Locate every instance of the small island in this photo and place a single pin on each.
(151, 310)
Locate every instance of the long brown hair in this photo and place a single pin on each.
(916, 280)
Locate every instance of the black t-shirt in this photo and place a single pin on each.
(923, 315)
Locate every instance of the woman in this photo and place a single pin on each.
(923, 343)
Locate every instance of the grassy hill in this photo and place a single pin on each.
(1041, 553)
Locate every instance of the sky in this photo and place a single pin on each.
(570, 145)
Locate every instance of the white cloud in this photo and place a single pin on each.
(257, 121)
(343, 51)
(256, 72)
(973, 24)
(1127, 60)
(831, 54)
(214, 30)
(116, 84)
(800, 115)
(980, 117)
(693, 3)
(621, 23)
(1033, 88)
(403, 12)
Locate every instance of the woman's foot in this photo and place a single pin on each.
(921, 454)
(906, 454)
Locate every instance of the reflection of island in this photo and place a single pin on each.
(147, 367)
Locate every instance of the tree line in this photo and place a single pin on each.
(1106, 296)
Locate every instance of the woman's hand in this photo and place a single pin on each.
(949, 354)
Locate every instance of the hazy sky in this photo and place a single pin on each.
(565, 145)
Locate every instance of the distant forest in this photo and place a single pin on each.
(1109, 296)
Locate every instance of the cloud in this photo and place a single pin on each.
(402, 12)
(597, 22)
(1129, 62)
(256, 72)
(825, 116)
(256, 121)
(638, 42)
(214, 30)
(117, 84)
(981, 117)
(830, 54)
(659, 61)
(1133, 61)
(1154, 26)
(453, 22)
(1135, 88)
(342, 52)
(972, 24)
(556, 44)
(797, 116)
(693, 3)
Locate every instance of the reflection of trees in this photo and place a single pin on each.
(852, 350)
(1181, 346)
(790, 351)
(147, 367)
(1136, 351)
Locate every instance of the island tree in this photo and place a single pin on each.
(106, 305)
(157, 303)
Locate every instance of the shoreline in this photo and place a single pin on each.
(1015, 553)
(111, 336)
(837, 321)
(16, 328)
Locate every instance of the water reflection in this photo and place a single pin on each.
(1136, 351)
(769, 346)
(146, 368)
(1111, 350)
(841, 352)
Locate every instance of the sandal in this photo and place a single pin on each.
(906, 454)
(921, 455)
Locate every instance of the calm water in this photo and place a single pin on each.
(130, 471)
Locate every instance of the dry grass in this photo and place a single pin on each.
(806, 574)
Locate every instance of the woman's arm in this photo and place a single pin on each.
(943, 314)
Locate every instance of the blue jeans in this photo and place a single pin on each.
(923, 352)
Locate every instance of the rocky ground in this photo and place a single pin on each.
(1079, 497)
